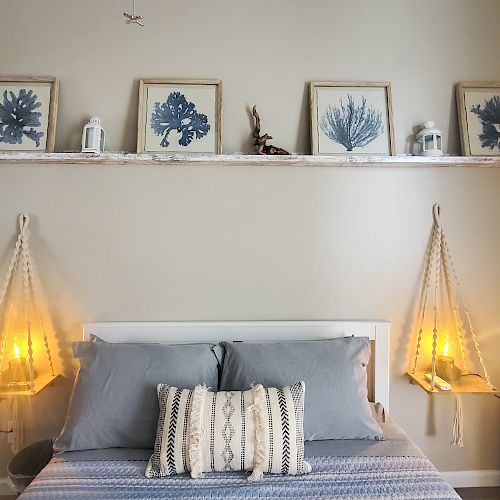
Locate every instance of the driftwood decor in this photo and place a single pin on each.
(260, 140)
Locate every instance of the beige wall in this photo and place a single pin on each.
(221, 243)
(264, 51)
(152, 243)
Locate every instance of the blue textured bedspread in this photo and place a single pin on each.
(332, 477)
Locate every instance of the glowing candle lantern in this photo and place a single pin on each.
(17, 351)
(446, 347)
(445, 364)
(17, 375)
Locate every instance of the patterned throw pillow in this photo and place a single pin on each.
(200, 431)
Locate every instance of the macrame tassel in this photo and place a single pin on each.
(15, 422)
(261, 440)
(195, 431)
(458, 424)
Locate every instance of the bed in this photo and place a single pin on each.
(341, 468)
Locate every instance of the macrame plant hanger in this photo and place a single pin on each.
(21, 266)
(440, 263)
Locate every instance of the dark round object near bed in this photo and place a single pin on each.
(27, 463)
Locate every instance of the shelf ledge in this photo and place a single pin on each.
(470, 384)
(247, 160)
(41, 382)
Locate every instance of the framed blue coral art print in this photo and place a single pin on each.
(478, 105)
(179, 116)
(28, 113)
(351, 118)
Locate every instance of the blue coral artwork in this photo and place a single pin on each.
(353, 126)
(352, 120)
(18, 118)
(178, 114)
(488, 115)
(180, 118)
(23, 121)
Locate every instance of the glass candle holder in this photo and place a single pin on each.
(446, 369)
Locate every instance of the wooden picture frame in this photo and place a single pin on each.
(332, 103)
(37, 131)
(156, 96)
(479, 134)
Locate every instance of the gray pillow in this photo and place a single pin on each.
(114, 402)
(334, 371)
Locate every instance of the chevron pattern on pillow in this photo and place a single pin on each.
(259, 430)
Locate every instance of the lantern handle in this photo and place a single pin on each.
(436, 212)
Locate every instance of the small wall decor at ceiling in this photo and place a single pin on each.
(93, 137)
(351, 118)
(478, 105)
(179, 116)
(23, 334)
(429, 140)
(260, 140)
(28, 113)
(449, 325)
(133, 18)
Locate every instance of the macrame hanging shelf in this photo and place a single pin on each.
(451, 325)
(21, 268)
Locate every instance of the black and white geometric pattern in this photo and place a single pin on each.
(228, 433)
(228, 430)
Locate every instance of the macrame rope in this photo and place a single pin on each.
(436, 290)
(3, 292)
(458, 420)
(455, 319)
(479, 355)
(439, 256)
(3, 337)
(23, 222)
(22, 262)
(432, 256)
(423, 299)
(458, 423)
(35, 290)
(466, 312)
(16, 437)
(12, 263)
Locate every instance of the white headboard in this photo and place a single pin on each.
(171, 332)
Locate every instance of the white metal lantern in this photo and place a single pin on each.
(429, 140)
(94, 136)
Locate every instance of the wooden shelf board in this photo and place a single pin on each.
(247, 160)
(41, 382)
(470, 384)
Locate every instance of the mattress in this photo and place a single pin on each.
(393, 468)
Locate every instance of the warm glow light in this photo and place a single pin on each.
(17, 351)
(446, 346)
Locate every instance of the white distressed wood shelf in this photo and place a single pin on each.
(247, 160)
